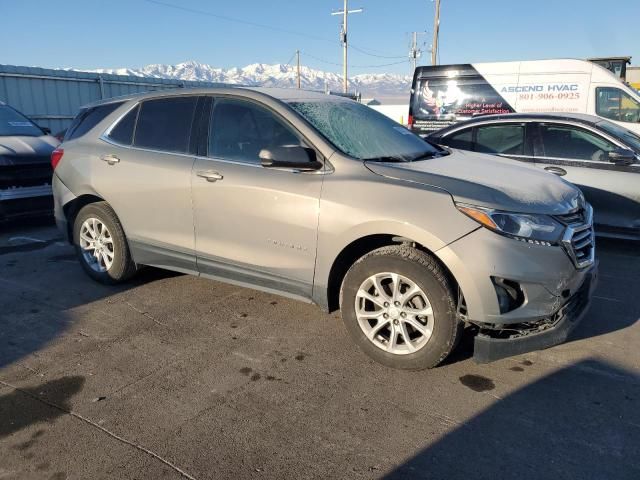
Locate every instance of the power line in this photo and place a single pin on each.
(361, 50)
(322, 60)
(288, 64)
(237, 20)
(282, 30)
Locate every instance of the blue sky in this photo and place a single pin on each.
(134, 33)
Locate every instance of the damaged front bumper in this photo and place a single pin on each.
(515, 339)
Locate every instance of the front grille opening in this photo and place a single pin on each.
(575, 218)
(579, 241)
(18, 176)
(582, 243)
(509, 293)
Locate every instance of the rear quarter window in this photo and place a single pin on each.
(89, 118)
(122, 132)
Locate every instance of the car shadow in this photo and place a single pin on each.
(579, 422)
(32, 313)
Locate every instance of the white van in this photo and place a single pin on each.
(442, 95)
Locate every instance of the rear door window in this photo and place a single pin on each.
(462, 140)
(500, 139)
(165, 124)
(89, 118)
(569, 142)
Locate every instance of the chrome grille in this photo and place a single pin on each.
(579, 239)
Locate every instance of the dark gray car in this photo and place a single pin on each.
(325, 200)
(25, 168)
(600, 157)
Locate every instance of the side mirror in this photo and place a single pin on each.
(46, 130)
(290, 156)
(622, 156)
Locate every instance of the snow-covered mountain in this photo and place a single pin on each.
(369, 84)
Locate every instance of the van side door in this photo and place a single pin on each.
(581, 156)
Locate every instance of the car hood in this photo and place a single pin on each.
(488, 181)
(22, 149)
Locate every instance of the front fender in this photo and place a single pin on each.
(366, 204)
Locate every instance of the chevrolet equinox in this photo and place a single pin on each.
(322, 199)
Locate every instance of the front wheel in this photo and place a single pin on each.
(399, 307)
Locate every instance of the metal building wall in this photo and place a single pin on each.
(51, 98)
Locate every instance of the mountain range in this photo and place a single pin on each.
(378, 85)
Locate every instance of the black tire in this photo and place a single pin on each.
(427, 273)
(123, 267)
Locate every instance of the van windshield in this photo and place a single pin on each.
(363, 133)
(627, 136)
(13, 123)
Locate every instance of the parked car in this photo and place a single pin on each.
(600, 157)
(442, 95)
(322, 199)
(25, 168)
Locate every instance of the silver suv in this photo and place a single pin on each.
(324, 200)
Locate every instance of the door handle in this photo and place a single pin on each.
(110, 159)
(210, 176)
(561, 172)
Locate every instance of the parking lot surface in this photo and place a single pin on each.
(172, 376)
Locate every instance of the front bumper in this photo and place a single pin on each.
(25, 202)
(491, 345)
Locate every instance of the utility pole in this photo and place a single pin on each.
(343, 38)
(298, 61)
(415, 52)
(436, 31)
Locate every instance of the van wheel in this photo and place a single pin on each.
(400, 309)
(101, 244)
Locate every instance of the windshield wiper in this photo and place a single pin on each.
(389, 158)
(424, 156)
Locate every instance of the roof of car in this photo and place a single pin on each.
(283, 94)
(575, 117)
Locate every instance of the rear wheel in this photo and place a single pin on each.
(399, 307)
(101, 244)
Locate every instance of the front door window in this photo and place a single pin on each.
(568, 142)
(240, 129)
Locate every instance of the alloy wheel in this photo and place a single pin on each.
(96, 244)
(394, 313)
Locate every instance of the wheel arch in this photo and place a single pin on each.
(328, 297)
(72, 208)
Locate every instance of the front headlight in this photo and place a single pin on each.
(526, 227)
